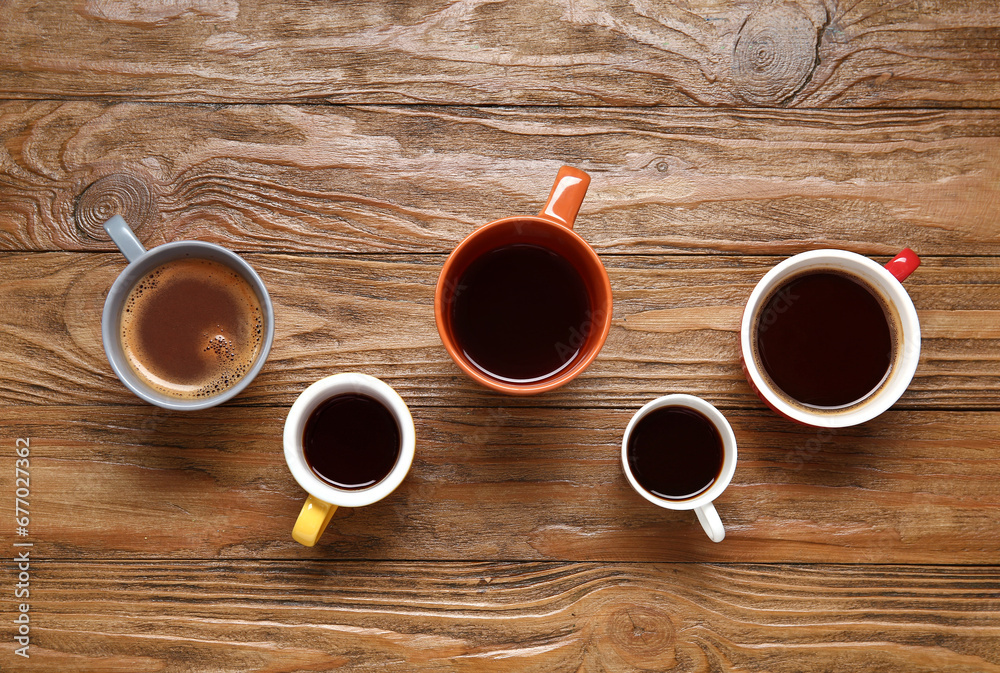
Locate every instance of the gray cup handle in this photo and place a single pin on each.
(124, 238)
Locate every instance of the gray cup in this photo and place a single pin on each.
(141, 262)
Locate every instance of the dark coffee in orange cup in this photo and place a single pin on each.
(523, 304)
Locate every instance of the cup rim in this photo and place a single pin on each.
(317, 393)
(562, 377)
(729, 451)
(884, 282)
(118, 293)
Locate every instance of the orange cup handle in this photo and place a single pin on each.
(566, 196)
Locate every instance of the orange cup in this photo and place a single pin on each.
(551, 229)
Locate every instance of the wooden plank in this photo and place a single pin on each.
(484, 617)
(508, 483)
(419, 179)
(685, 52)
(675, 329)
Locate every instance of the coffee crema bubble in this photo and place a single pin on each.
(191, 328)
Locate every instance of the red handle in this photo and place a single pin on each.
(903, 264)
(566, 196)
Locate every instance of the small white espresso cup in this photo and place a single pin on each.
(324, 499)
(701, 503)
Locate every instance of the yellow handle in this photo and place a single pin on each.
(312, 521)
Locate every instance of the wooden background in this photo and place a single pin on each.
(345, 148)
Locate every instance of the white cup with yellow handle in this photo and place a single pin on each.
(349, 442)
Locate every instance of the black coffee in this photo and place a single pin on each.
(191, 328)
(825, 339)
(351, 441)
(521, 313)
(675, 453)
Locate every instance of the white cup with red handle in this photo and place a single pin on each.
(886, 282)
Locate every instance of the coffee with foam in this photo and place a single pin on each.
(191, 328)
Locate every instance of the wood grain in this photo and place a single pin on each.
(346, 147)
(675, 329)
(509, 483)
(419, 179)
(562, 617)
(685, 52)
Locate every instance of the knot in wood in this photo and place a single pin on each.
(115, 194)
(642, 634)
(775, 55)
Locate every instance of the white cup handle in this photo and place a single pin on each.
(711, 522)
